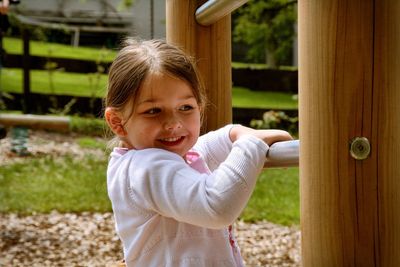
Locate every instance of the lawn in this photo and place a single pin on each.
(46, 184)
(14, 46)
(71, 185)
(245, 98)
(93, 84)
(276, 197)
(64, 83)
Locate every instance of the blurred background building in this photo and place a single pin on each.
(90, 22)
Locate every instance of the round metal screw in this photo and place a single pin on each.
(360, 148)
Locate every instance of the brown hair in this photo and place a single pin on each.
(137, 59)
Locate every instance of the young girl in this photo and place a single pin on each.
(175, 194)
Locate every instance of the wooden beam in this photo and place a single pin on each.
(211, 46)
(58, 123)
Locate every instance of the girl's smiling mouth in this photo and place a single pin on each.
(172, 141)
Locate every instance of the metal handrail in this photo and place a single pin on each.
(213, 10)
(283, 154)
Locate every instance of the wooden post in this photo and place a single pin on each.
(26, 66)
(386, 123)
(211, 46)
(349, 83)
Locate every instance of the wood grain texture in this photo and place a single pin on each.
(386, 122)
(349, 83)
(211, 46)
(338, 193)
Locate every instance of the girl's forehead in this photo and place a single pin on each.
(161, 81)
(161, 85)
(161, 77)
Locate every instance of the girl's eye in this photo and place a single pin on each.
(185, 108)
(153, 111)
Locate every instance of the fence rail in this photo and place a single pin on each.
(213, 10)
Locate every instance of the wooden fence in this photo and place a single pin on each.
(255, 79)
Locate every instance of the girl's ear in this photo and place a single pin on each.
(114, 121)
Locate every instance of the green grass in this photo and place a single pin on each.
(89, 142)
(64, 83)
(46, 184)
(242, 65)
(70, 185)
(245, 98)
(88, 126)
(76, 84)
(258, 66)
(14, 46)
(276, 197)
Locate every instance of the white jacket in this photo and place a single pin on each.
(169, 214)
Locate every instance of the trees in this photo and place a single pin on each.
(268, 28)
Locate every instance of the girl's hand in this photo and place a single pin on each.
(268, 136)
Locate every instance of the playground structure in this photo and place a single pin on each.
(349, 60)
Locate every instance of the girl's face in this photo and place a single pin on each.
(166, 116)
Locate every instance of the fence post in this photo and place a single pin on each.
(211, 46)
(26, 71)
(349, 87)
(386, 124)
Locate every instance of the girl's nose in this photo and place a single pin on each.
(172, 123)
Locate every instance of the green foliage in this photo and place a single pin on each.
(123, 4)
(267, 25)
(277, 120)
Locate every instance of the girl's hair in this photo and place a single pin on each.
(138, 59)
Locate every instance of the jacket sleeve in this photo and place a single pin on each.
(215, 146)
(161, 181)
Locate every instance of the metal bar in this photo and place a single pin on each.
(283, 154)
(213, 10)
